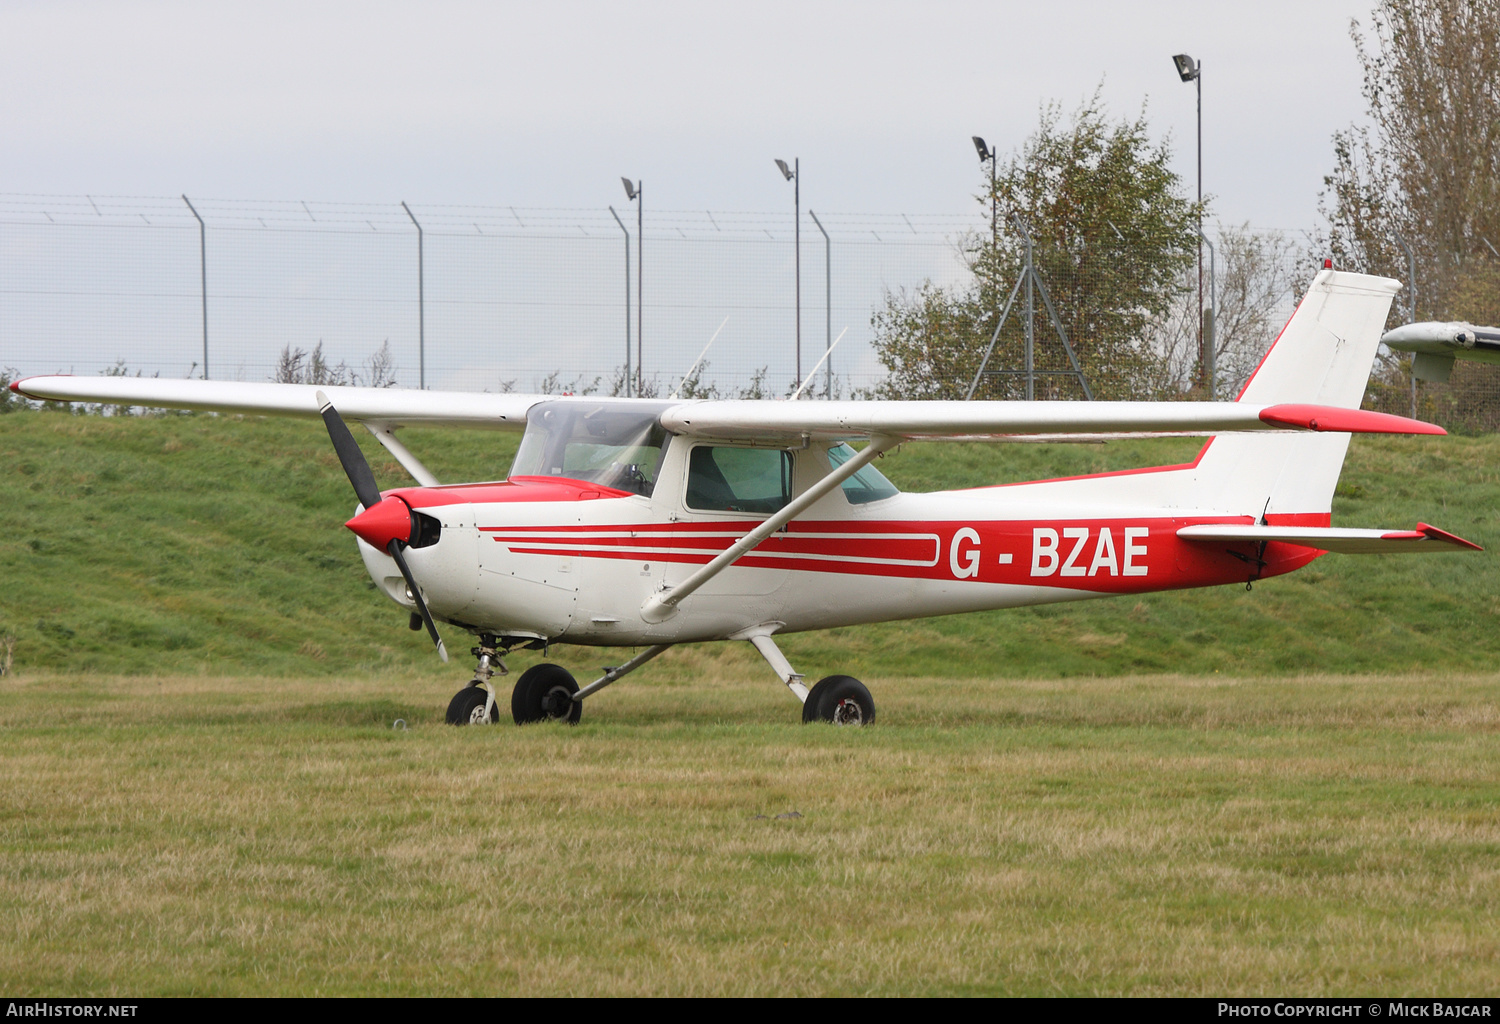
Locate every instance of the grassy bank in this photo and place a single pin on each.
(212, 545)
(1172, 835)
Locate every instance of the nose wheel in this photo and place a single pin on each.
(472, 706)
(475, 703)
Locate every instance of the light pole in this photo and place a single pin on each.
(1211, 332)
(986, 153)
(794, 175)
(1190, 70)
(633, 192)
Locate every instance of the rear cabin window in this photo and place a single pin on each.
(739, 479)
(865, 486)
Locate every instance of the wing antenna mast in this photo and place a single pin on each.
(688, 376)
(826, 353)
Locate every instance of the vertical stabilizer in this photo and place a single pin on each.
(1323, 356)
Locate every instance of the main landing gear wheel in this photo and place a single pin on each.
(544, 693)
(842, 700)
(467, 707)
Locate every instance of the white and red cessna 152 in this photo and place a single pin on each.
(643, 523)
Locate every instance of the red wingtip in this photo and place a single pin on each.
(15, 386)
(378, 526)
(1352, 421)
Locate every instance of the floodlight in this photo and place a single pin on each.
(785, 170)
(629, 188)
(1187, 68)
(984, 151)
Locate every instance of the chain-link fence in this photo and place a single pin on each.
(493, 298)
(476, 298)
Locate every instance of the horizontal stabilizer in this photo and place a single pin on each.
(1338, 540)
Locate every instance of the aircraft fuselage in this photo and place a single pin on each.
(572, 560)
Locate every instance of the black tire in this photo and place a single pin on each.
(467, 707)
(840, 700)
(544, 693)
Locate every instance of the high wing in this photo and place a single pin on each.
(1015, 421)
(771, 421)
(391, 406)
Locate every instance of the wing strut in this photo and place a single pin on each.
(386, 435)
(663, 605)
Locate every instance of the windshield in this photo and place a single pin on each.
(613, 444)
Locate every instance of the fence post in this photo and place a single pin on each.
(640, 288)
(202, 279)
(1411, 311)
(1210, 329)
(827, 308)
(626, 230)
(421, 305)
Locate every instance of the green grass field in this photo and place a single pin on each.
(1162, 835)
(1292, 790)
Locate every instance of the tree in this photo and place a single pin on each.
(295, 366)
(9, 400)
(1112, 235)
(1257, 287)
(1427, 166)
(1425, 171)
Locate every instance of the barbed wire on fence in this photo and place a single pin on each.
(532, 299)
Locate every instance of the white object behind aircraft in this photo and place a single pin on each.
(642, 523)
(1435, 345)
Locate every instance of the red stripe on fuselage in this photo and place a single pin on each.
(1104, 555)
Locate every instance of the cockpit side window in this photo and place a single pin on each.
(739, 479)
(614, 445)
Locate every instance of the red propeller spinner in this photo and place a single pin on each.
(388, 520)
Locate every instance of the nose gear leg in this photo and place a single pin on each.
(489, 659)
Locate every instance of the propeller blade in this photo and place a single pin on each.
(368, 492)
(353, 460)
(394, 550)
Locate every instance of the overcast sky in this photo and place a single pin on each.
(533, 104)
